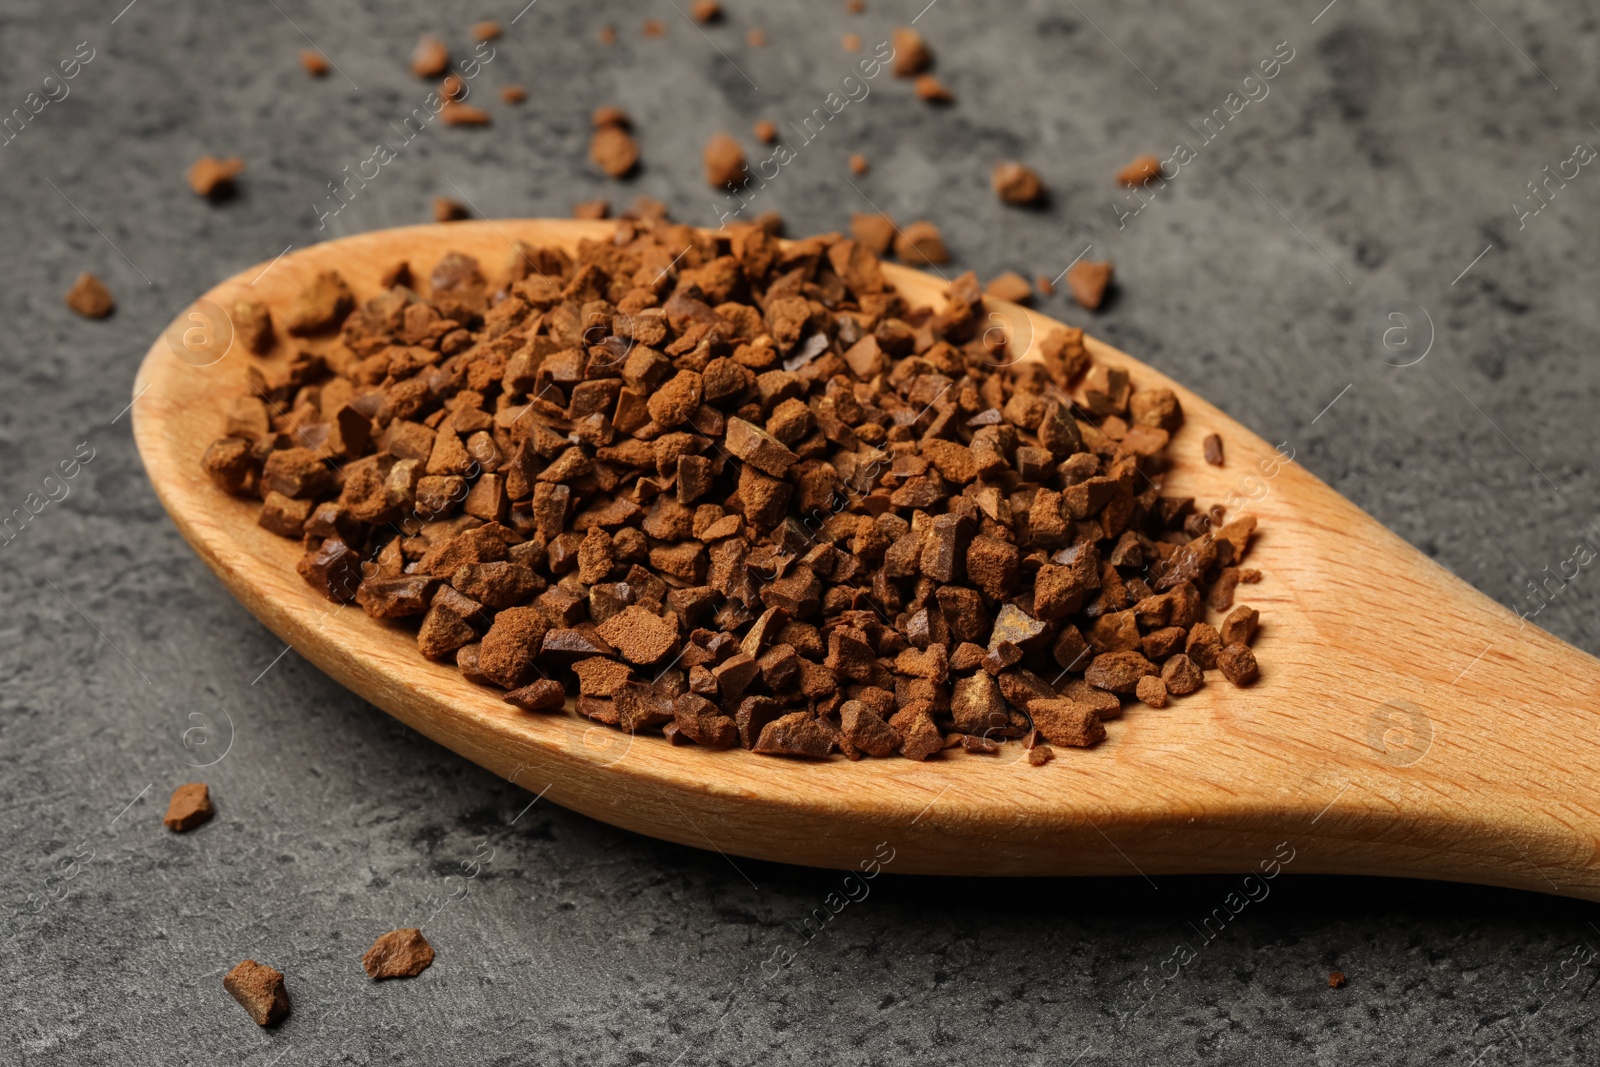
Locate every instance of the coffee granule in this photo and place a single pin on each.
(911, 53)
(447, 210)
(90, 298)
(729, 491)
(1141, 170)
(930, 89)
(756, 39)
(487, 30)
(591, 209)
(259, 990)
(706, 11)
(859, 165)
(513, 94)
(314, 63)
(1212, 446)
(459, 114)
(654, 28)
(213, 178)
(1336, 980)
(766, 132)
(1009, 286)
(724, 161)
(430, 58)
(402, 953)
(1016, 184)
(189, 807)
(614, 150)
(1089, 281)
(608, 35)
(920, 243)
(850, 42)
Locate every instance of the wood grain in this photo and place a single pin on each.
(1404, 724)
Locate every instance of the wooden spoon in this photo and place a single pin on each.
(1404, 724)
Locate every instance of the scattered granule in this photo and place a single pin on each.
(487, 30)
(402, 953)
(1044, 285)
(855, 7)
(705, 11)
(259, 990)
(610, 115)
(189, 807)
(1009, 286)
(1088, 281)
(876, 232)
(1203, 645)
(654, 28)
(1141, 170)
(321, 306)
(90, 298)
(513, 94)
(591, 209)
(608, 35)
(859, 164)
(315, 63)
(851, 42)
(430, 58)
(458, 114)
(911, 53)
(453, 87)
(1238, 664)
(252, 326)
(1152, 690)
(1336, 980)
(933, 91)
(1212, 448)
(1016, 184)
(921, 243)
(766, 132)
(1039, 755)
(724, 162)
(1239, 628)
(212, 178)
(756, 39)
(614, 151)
(447, 210)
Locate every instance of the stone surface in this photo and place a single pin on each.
(1395, 141)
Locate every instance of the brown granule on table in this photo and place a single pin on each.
(252, 325)
(513, 94)
(430, 58)
(612, 148)
(1212, 447)
(858, 164)
(1141, 170)
(850, 42)
(453, 87)
(447, 210)
(90, 298)
(458, 114)
(876, 232)
(1088, 280)
(706, 11)
(314, 63)
(1044, 285)
(911, 53)
(189, 807)
(402, 953)
(259, 990)
(213, 178)
(737, 492)
(608, 35)
(920, 243)
(1238, 664)
(591, 209)
(1016, 184)
(724, 162)
(766, 131)
(654, 28)
(1336, 980)
(1009, 286)
(487, 30)
(756, 39)
(930, 89)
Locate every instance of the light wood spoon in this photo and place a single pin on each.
(1404, 724)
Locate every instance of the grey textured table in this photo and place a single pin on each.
(1381, 167)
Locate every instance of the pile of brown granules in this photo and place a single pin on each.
(737, 491)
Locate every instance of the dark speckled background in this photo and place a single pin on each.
(1385, 158)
